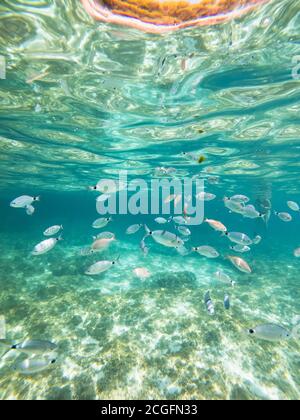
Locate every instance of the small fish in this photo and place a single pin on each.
(31, 347)
(209, 304)
(239, 238)
(164, 238)
(179, 220)
(105, 235)
(216, 225)
(45, 246)
(144, 247)
(256, 240)
(240, 248)
(226, 302)
(133, 229)
(161, 220)
(270, 332)
(205, 196)
(213, 180)
(100, 267)
(297, 252)
(250, 212)
(101, 244)
(161, 171)
(30, 210)
(224, 278)
(239, 198)
(23, 201)
(240, 264)
(53, 230)
(111, 187)
(285, 217)
(141, 272)
(102, 222)
(183, 230)
(233, 206)
(34, 365)
(206, 251)
(293, 205)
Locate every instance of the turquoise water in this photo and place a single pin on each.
(105, 100)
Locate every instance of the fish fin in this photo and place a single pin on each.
(6, 351)
(60, 238)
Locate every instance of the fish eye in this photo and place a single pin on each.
(53, 361)
(251, 331)
(95, 188)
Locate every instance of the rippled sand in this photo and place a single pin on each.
(121, 337)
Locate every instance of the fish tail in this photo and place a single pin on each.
(90, 188)
(147, 230)
(60, 238)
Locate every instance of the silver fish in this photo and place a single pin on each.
(233, 206)
(224, 278)
(165, 238)
(34, 347)
(207, 251)
(100, 223)
(270, 332)
(161, 220)
(239, 198)
(30, 210)
(133, 229)
(23, 201)
(250, 212)
(45, 246)
(100, 267)
(240, 248)
(293, 205)
(53, 230)
(144, 247)
(184, 230)
(104, 235)
(34, 365)
(226, 302)
(209, 304)
(179, 220)
(205, 196)
(239, 238)
(285, 217)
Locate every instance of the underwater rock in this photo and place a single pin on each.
(172, 280)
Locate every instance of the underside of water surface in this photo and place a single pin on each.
(82, 99)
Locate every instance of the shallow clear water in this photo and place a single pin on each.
(106, 99)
